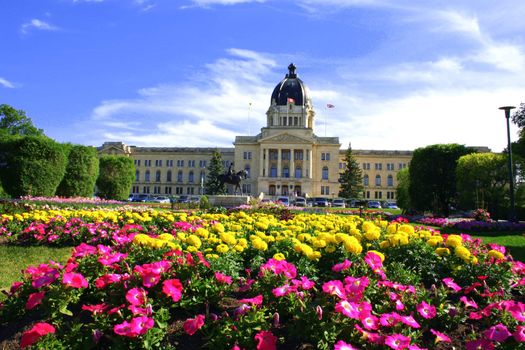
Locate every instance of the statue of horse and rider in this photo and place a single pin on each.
(232, 178)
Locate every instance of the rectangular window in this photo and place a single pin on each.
(169, 162)
(137, 162)
(298, 155)
(191, 163)
(158, 162)
(202, 163)
(147, 162)
(178, 190)
(327, 156)
(322, 156)
(367, 194)
(247, 188)
(247, 155)
(167, 190)
(390, 166)
(180, 163)
(379, 166)
(366, 166)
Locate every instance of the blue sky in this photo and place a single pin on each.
(402, 74)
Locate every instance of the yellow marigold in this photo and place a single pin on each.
(218, 227)
(242, 242)
(319, 243)
(367, 225)
(384, 244)
(304, 237)
(372, 234)
(425, 234)
(434, 240)
(194, 241)
(141, 239)
(462, 252)
(355, 232)
(383, 223)
(398, 239)
(222, 248)
(202, 232)
(262, 225)
(352, 245)
(340, 237)
(182, 236)
(259, 244)
(496, 254)
(330, 249)
(306, 249)
(192, 249)
(239, 248)
(442, 251)
(454, 241)
(314, 255)
(279, 256)
(228, 238)
(407, 229)
(166, 237)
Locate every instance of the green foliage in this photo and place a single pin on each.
(15, 122)
(433, 177)
(204, 203)
(403, 185)
(518, 117)
(81, 173)
(116, 176)
(213, 186)
(31, 165)
(481, 180)
(351, 179)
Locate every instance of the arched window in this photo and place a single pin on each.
(146, 176)
(378, 180)
(137, 176)
(179, 176)
(168, 176)
(365, 180)
(390, 181)
(157, 176)
(273, 171)
(298, 172)
(190, 177)
(247, 169)
(325, 173)
(286, 172)
(271, 190)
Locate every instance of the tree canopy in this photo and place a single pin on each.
(213, 186)
(81, 172)
(15, 122)
(403, 185)
(433, 177)
(116, 175)
(351, 179)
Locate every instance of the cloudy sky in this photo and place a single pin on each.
(402, 74)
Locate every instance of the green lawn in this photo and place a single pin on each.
(13, 259)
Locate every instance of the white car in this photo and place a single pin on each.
(160, 199)
(338, 203)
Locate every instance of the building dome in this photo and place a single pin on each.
(290, 87)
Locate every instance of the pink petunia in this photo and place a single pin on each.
(34, 300)
(342, 266)
(479, 344)
(74, 280)
(468, 302)
(95, 308)
(409, 321)
(173, 289)
(36, 332)
(397, 341)
(192, 325)
(440, 336)
(497, 333)
(140, 325)
(370, 322)
(352, 309)
(519, 334)
(266, 341)
(255, 300)
(136, 296)
(389, 319)
(334, 288)
(371, 337)
(222, 278)
(517, 311)
(449, 282)
(426, 310)
(341, 345)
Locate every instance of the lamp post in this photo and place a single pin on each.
(512, 213)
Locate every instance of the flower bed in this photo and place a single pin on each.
(252, 281)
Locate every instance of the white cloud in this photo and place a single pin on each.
(6, 83)
(455, 21)
(208, 3)
(38, 25)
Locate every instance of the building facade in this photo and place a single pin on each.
(285, 159)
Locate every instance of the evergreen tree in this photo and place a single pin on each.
(351, 179)
(116, 176)
(213, 186)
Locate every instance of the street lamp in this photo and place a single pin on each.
(512, 213)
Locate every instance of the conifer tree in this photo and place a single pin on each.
(213, 186)
(351, 179)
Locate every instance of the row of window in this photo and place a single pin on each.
(180, 163)
(298, 154)
(191, 175)
(389, 180)
(379, 194)
(379, 166)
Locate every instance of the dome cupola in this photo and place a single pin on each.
(290, 90)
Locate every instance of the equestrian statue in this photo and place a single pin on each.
(232, 178)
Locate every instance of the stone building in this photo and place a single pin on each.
(285, 159)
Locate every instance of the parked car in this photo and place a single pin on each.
(391, 205)
(194, 199)
(300, 202)
(184, 199)
(338, 203)
(160, 199)
(283, 200)
(374, 204)
(320, 202)
(140, 198)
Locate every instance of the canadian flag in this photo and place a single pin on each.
(291, 100)
(329, 105)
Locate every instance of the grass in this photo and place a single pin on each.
(13, 259)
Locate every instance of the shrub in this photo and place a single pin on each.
(81, 172)
(115, 177)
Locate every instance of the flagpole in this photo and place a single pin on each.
(249, 115)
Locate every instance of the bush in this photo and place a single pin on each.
(116, 175)
(31, 165)
(81, 172)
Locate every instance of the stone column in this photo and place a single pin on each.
(261, 161)
(310, 164)
(292, 163)
(267, 161)
(279, 154)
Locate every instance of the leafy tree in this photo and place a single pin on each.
(518, 117)
(403, 185)
(351, 179)
(116, 175)
(15, 122)
(213, 186)
(433, 177)
(81, 172)
(481, 180)
(31, 165)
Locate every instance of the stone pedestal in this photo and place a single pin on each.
(228, 201)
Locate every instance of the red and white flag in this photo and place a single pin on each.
(291, 100)
(329, 105)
